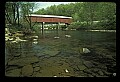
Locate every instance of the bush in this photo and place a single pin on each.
(79, 26)
(106, 25)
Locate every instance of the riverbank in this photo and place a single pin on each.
(102, 30)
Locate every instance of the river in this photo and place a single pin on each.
(62, 57)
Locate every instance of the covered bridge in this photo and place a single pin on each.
(49, 19)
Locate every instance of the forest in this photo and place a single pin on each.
(86, 15)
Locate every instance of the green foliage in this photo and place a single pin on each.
(86, 11)
(79, 26)
(83, 14)
(36, 28)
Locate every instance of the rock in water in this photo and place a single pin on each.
(27, 70)
(7, 38)
(66, 70)
(85, 50)
(35, 42)
(23, 40)
(14, 41)
(35, 36)
(54, 76)
(56, 37)
(34, 39)
(67, 36)
(114, 74)
(18, 39)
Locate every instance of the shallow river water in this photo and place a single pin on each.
(64, 56)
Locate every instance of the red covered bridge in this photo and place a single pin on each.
(49, 19)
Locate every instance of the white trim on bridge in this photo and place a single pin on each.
(54, 16)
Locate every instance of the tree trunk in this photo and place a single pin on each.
(13, 7)
(18, 13)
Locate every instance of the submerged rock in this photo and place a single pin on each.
(23, 61)
(100, 73)
(27, 70)
(17, 55)
(51, 53)
(13, 73)
(36, 69)
(8, 68)
(81, 67)
(88, 64)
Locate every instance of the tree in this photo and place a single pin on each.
(12, 12)
(27, 9)
(86, 12)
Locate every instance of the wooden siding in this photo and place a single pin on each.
(50, 19)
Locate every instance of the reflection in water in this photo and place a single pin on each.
(83, 54)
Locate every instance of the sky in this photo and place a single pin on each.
(47, 4)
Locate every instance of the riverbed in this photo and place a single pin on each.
(47, 56)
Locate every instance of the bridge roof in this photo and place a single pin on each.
(52, 16)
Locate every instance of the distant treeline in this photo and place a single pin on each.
(86, 15)
(87, 12)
